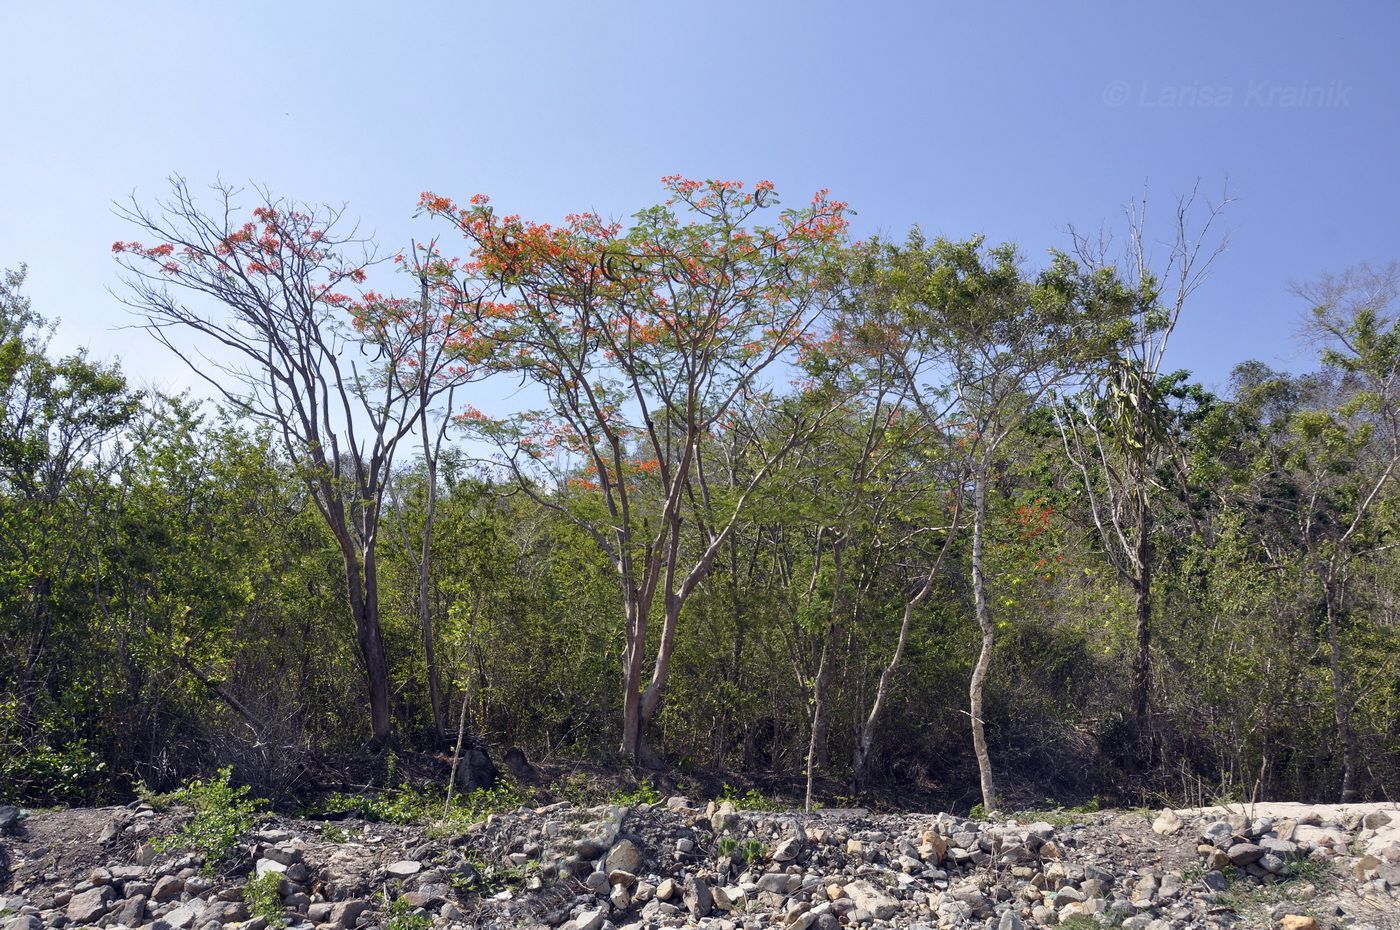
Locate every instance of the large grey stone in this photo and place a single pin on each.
(697, 897)
(86, 907)
(869, 897)
(626, 856)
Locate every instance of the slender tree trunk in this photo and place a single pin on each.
(425, 614)
(364, 609)
(1142, 589)
(632, 654)
(818, 734)
(882, 688)
(816, 742)
(1341, 709)
(866, 742)
(650, 700)
(984, 657)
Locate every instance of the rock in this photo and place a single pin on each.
(1217, 834)
(666, 890)
(697, 897)
(167, 888)
(287, 855)
(1298, 922)
(626, 856)
(787, 850)
(1375, 820)
(725, 818)
(24, 922)
(86, 907)
(869, 897)
(131, 912)
(588, 920)
(518, 765)
(10, 817)
(403, 868)
(779, 883)
(264, 866)
(183, 917)
(1242, 854)
(1215, 880)
(1168, 823)
(345, 913)
(476, 770)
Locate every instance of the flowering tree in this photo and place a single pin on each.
(285, 331)
(642, 342)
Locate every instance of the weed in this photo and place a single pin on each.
(752, 850)
(645, 793)
(1080, 922)
(222, 813)
(743, 852)
(401, 916)
(333, 833)
(405, 804)
(264, 899)
(726, 847)
(750, 800)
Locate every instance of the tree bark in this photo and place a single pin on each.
(425, 614)
(818, 734)
(984, 657)
(363, 584)
(1142, 589)
(1341, 710)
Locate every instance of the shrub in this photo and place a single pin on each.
(750, 800)
(400, 916)
(403, 804)
(222, 813)
(264, 899)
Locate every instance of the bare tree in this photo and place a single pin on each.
(284, 332)
(1118, 433)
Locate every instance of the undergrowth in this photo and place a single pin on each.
(222, 813)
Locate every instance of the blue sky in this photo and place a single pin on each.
(1009, 119)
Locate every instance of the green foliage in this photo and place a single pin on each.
(399, 914)
(404, 803)
(264, 900)
(646, 792)
(222, 814)
(750, 799)
(749, 851)
(41, 775)
(726, 847)
(333, 833)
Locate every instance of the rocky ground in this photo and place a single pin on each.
(683, 864)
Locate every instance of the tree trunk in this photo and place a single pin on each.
(632, 654)
(866, 742)
(1341, 710)
(425, 614)
(818, 734)
(1142, 589)
(363, 587)
(984, 657)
